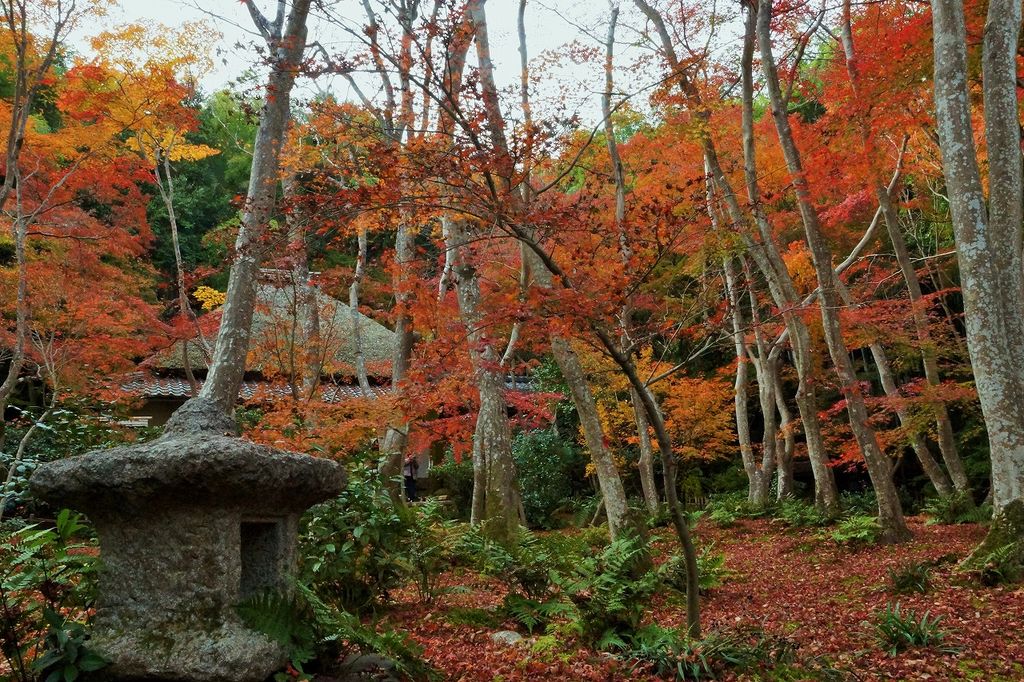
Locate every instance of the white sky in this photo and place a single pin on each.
(568, 87)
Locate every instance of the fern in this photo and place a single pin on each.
(286, 619)
(1000, 566)
(609, 591)
(857, 531)
(309, 628)
(531, 613)
(711, 571)
(954, 509)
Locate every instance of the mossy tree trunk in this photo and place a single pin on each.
(988, 238)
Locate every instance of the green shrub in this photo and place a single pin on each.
(533, 613)
(66, 654)
(583, 509)
(566, 550)
(525, 565)
(611, 591)
(711, 571)
(596, 537)
(955, 509)
(909, 578)
(799, 514)
(456, 478)
(357, 547)
(897, 630)
(725, 509)
(475, 617)
(426, 552)
(47, 590)
(857, 531)
(551, 472)
(863, 503)
(73, 428)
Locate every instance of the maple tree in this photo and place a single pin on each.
(744, 261)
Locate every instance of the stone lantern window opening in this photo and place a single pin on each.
(262, 556)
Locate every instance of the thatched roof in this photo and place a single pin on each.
(143, 384)
(277, 320)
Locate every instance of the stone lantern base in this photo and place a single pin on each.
(189, 525)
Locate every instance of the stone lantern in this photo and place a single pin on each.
(189, 525)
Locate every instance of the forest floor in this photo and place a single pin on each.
(791, 582)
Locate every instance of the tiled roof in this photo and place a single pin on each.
(175, 387)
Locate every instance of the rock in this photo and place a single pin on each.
(358, 667)
(189, 525)
(506, 637)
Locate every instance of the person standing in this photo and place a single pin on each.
(409, 470)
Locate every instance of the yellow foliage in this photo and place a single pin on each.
(151, 70)
(698, 411)
(209, 297)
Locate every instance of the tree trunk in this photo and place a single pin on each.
(184, 307)
(786, 487)
(648, 484)
(306, 343)
(396, 436)
(646, 462)
(769, 261)
(19, 229)
(357, 322)
(890, 513)
(988, 242)
(287, 44)
(668, 465)
(496, 498)
(758, 479)
(608, 478)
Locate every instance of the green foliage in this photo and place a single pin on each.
(610, 591)
(859, 504)
(66, 654)
(525, 565)
(596, 537)
(725, 509)
(311, 630)
(351, 547)
(205, 191)
(897, 630)
(456, 479)
(1001, 566)
(583, 509)
(475, 617)
(426, 551)
(551, 472)
(856, 531)
(549, 379)
(47, 583)
(955, 509)
(711, 571)
(670, 654)
(912, 577)
(799, 514)
(533, 613)
(287, 619)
